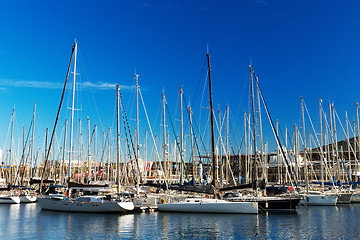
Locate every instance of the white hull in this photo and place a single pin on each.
(9, 199)
(148, 201)
(318, 200)
(96, 207)
(27, 198)
(355, 198)
(198, 205)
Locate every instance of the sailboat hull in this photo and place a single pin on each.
(27, 198)
(209, 206)
(355, 198)
(94, 207)
(270, 203)
(9, 199)
(319, 200)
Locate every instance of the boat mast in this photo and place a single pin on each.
(56, 120)
(11, 139)
(79, 169)
(181, 139)
(32, 141)
(164, 132)
(348, 142)
(89, 152)
(304, 146)
(109, 157)
(254, 170)
(117, 139)
(246, 149)
(214, 163)
(63, 156)
(227, 144)
(72, 112)
(192, 144)
(357, 139)
(263, 159)
(219, 160)
(137, 134)
(321, 147)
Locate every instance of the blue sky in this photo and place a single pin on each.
(298, 49)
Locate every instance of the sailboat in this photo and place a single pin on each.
(208, 205)
(85, 203)
(6, 194)
(25, 192)
(315, 198)
(284, 202)
(94, 202)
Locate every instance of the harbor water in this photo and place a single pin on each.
(28, 221)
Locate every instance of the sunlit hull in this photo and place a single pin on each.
(209, 206)
(27, 198)
(95, 207)
(9, 199)
(319, 200)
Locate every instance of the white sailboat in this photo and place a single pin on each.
(9, 198)
(317, 198)
(322, 197)
(207, 205)
(27, 198)
(95, 204)
(86, 203)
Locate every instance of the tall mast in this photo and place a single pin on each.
(296, 151)
(164, 133)
(45, 150)
(227, 142)
(11, 139)
(214, 163)
(331, 138)
(137, 116)
(137, 133)
(181, 139)
(254, 170)
(263, 160)
(321, 146)
(79, 155)
(246, 149)
(56, 120)
(95, 151)
(336, 142)
(89, 152)
(109, 157)
(72, 111)
(358, 129)
(278, 175)
(192, 144)
(32, 140)
(117, 139)
(310, 151)
(304, 146)
(348, 142)
(219, 161)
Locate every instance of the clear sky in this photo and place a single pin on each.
(307, 49)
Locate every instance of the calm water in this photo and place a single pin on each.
(27, 221)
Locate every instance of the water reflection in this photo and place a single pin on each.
(27, 221)
(207, 226)
(16, 220)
